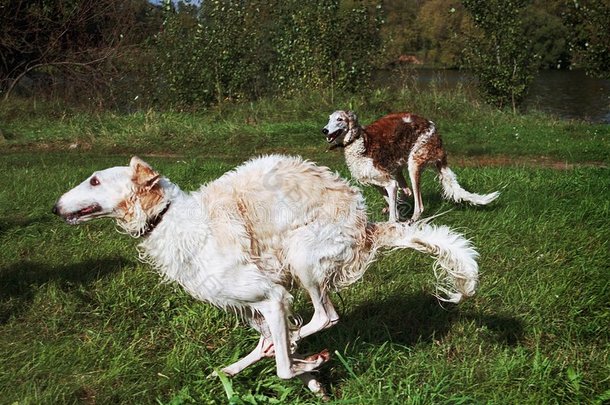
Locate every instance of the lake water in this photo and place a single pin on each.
(565, 94)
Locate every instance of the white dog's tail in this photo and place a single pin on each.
(453, 191)
(456, 268)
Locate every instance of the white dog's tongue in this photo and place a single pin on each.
(88, 210)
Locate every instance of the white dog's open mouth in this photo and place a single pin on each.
(83, 215)
(330, 138)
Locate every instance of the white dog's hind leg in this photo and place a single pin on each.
(324, 315)
(414, 175)
(304, 252)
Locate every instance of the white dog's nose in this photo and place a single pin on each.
(325, 131)
(55, 209)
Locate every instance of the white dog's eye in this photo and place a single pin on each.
(94, 181)
(339, 119)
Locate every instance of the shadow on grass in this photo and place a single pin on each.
(20, 282)
(503, 329)
(406, 320)
(7, 224)
(416, 318)
(402, 319)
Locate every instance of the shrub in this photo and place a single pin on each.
(500, 54)
(242, 50)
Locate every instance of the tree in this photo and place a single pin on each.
(588, 23)
(325, 44)
(399, 32)
(81, 38)
(444, 25)
(500, 54)
(549, 38)
(235, 49)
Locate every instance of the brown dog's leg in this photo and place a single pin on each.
(415, 174)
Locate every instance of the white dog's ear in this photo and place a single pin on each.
(143, 174)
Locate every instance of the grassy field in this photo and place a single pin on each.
(82, 321)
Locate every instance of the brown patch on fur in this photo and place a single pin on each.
(431, 151)
(125, 208)
(372, 234)
(149, 197)
(143, 174)
(146, 189)
(389, 141)
(243, 211)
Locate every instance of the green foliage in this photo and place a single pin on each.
(176, 66)
(441, 27)
(135, 54)
(437, 31)
(210, 54)
(243, 50)
(500, 53)
(549, 38)
(323, 45)
(306, 45)
(587, 21)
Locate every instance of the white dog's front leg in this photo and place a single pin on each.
(275, 316)
(263, 349)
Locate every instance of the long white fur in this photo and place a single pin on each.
(455, 267)
(453, 191)
(241, 241)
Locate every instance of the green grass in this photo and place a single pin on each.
(236, 131)
(82, 321)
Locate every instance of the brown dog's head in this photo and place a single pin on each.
(339, 130)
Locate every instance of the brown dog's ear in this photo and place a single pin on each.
(353, 118)
(143, 174)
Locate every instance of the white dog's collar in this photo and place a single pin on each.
(152, 223)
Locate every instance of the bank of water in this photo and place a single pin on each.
(565, 94)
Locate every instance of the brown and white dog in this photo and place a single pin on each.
(377, 153)
(241, 241)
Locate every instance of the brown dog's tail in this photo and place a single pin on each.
(453, 191)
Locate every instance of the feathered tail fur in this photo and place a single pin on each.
(455, 268)
(453, 191)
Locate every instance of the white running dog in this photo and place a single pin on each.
(377, 154)
(239, 242)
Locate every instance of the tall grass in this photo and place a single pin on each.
(227, 130)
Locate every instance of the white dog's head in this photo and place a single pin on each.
(339, 129)
(124, 193)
